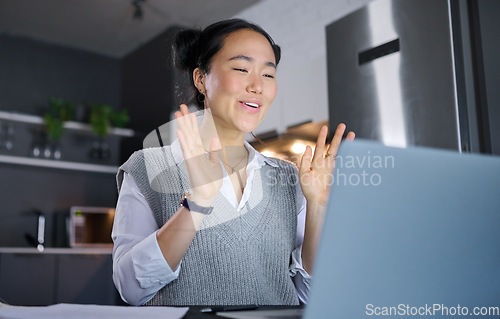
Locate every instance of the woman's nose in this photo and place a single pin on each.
(255, 84)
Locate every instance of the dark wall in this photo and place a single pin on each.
(31, 72)
(149, 81)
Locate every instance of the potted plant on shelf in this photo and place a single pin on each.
(59, 112)
(102, 119)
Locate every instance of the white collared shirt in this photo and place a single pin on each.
(139, 268)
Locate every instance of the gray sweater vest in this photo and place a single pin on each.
(236, 257)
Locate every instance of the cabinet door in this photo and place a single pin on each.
(27, 279)
(85, 279)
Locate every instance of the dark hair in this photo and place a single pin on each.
(196, 48)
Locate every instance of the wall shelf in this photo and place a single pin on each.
(18, 160)
(70, 125)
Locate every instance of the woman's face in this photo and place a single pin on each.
(241, 83)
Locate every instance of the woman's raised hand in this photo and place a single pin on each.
(205, 172)
(316, 171)
(316, 177)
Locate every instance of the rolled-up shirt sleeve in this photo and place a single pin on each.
(300, 276)
(139, 268)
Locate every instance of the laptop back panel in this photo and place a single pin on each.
(408, 233)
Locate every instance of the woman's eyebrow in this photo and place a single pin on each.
(250, 59)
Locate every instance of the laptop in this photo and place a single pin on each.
(408, 233)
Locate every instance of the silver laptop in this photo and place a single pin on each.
(409, 233)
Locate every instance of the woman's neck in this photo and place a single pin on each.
(227, 137)
(234, 154)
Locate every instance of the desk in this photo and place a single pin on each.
(195, 313)
(62, 311)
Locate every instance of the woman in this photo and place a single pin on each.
(223, 224)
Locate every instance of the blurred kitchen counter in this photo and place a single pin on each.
(29, 277)
(57, 250)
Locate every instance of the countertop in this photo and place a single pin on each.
(55, 250)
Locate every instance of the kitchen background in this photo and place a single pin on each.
(135, 74)
(140, 80)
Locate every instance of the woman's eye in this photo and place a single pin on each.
(241, 70)
(269, 76)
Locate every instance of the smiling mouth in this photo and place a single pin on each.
(254, 105)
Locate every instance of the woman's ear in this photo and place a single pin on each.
(199, 79)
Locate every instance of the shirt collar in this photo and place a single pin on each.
(254, 158)
(258, 157)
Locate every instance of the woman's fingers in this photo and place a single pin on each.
(184, 109)
(336, 140)
(215, 148)
(350, 136)
(195, 130)
(320, 143)
(188, 124)
(305, 162)
(181, 121)
(185, 119)
(183, 133)
(183, 143)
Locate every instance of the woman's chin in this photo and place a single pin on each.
(247, 127)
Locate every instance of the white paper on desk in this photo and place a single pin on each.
(75, 311)
(271, 313)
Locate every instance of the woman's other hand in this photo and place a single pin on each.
(316, 171)
(316, 177)
(205, 172)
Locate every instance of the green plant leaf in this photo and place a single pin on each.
(59, 111)
(54, 127)
(103, 117)
(120, 118)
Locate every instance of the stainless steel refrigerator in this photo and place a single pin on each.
(402, 72)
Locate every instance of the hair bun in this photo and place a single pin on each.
(186, 49)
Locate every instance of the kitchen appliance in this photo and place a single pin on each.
(91, 226)
(401, 72)
(39, 241)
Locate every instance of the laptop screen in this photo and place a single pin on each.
(409, 233)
